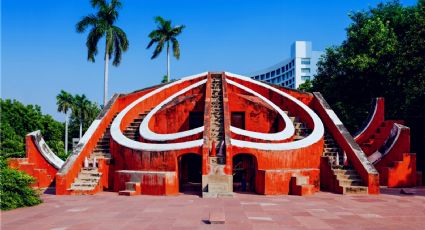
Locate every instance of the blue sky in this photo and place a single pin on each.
(41, 53)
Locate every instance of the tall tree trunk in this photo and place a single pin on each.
(105, 74)
(66, 133)
(81, 129)
(168, 62)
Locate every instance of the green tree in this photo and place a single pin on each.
(64, 101)
(102, 25)
(91, 112)
(81, 108)
(307, 86)
(164, 79)
(17, 120)
(164, 34)
(383, 56)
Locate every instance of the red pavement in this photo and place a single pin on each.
(390, 210)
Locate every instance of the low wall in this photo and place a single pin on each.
(151, 183)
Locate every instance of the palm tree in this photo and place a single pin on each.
(81, 108)
(64, 103)
(103, 25)
(165, 34)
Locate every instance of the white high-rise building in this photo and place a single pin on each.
(292, 72)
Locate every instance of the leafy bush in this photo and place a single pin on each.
(15, 190)
(17, 120)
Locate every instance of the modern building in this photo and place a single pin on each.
(292, 72)
(216, 133)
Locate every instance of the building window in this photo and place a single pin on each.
(287, 67)
(290, 64)
(262, 76)
(267, 75)
(305, 70)
(305, 61)
(273, 73)
(277, 71)
(293, 62)
(305, 78)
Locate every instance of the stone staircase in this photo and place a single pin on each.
(376, 140)
(348, 181)
(131, 189)
(217, 184)
(301, 130)
(88, 179)
(132, 131)
(300, 185)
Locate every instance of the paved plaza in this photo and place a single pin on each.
(106, 210)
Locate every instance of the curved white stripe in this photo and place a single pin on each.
(286, 133)
(45, 151)
(315, 135)
(119, 137)
(370, 121)
(148, 134)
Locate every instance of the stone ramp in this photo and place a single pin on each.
(217, 183)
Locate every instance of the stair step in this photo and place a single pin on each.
(84, 184)
(355, 190)
(349, 182)
(127, 193)
(345, 171)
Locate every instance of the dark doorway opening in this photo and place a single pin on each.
(238, 120)
(190, 173)
(244, 173)
(196, 119)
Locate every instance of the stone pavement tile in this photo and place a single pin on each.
(312, 222)
(300, 213)
(268, 226)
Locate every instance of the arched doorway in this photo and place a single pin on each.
(244, 173)
(190, 173)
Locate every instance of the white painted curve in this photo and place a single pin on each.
(286, 133)
(122, 140)
(148, 134)
(315, 135)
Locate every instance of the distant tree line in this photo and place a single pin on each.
(382, 56)
(17, 120)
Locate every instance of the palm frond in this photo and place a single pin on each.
(158, 48)
(99, 3)
(151, 43)
(122, 37)
(159, 20)
(176, 48)
(115, 4)
(118, 50)
(155, 34)
(91, 43)
(90, 20)
(177, 30)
